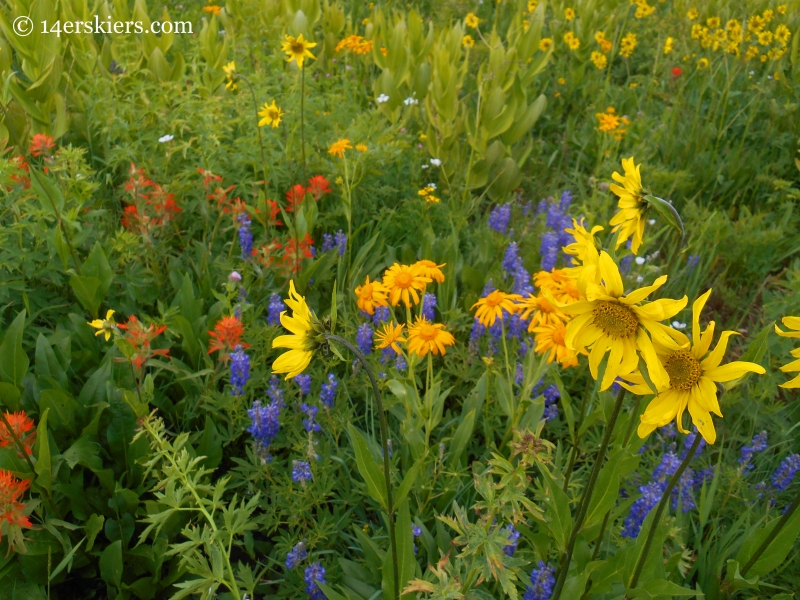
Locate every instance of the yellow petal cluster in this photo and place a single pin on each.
(301, 342)
(792, 323)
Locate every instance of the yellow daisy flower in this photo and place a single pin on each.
(428, 268)
(540, 311)
(389, 336)
(297, 49)
(230, 75)
(545, 44)
(338, 147)
(424, 337)
(794, 366)
(403, 282)
(370, 295)
(361, 147)
(550, 338)
(608, 321)
(492, 306)
(583, 239)
(629, 221)
(693, 371)
(104, 326)
(569, 14)
(270, 115)
(471, 20)
(301, 343)
(467, 41)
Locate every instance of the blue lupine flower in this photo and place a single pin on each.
(687, 443)
(475, 336)
(542, 583)
(416, 531)
(566, 200)
(400, 363)
(511, 258)
(364, 338)
(517, 327)
(245, 236)
(549, 250)
(328, 393)
(341, 241)
(428, 304)
(667, 467)
(304, 382)
(310, 424)
(522, 281)
(296, 555)
(651, 494)
(381, 315)
(625, 264)
(551, 398)
(488, 288)
(527, 207)
(265, 420)
(499, 217)
(784, 474)
(519, 376)
(541, 208)
(513, 540)
(685, 488)
(301, 471)
(388, 354)
(327, 242)
(554, 214)
(758, 444)
(275, 308)
(314, 573)
(692, 261)
(240, 370)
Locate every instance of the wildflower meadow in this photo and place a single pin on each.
(437, 300)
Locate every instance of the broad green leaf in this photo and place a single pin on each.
(10, 395)
(778, 549)
(210, 445)
(62, 408)
(606, 491)
(84, 452)
(661, 587)
(47, 364)
(96, 265)
(48, 192)
(566, 403)
(43, 467)
(408, 482)
(111, 563)
(668, 213)
(333, 309)
(734, 578)
(405, 555)
(369, 469)
(461, 438)
(505, 396)
(559, 518)
(87, 291)
(13, 360)
(330, 594)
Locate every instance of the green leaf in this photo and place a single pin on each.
(668, 213)
(406, 563)
(10, 395)
(333, 309)
(210, 445)
(408, 481)
(330, 594)
(505, 396)
(461, 438)
(47, 364)
(369, 469)
(735, 580)
(96, 266)
(754, 353)
(778, 549)
(559, 518)
(13, 360)
(661, 587)
(566, 403)
(606, 490)
(84, 452)
(43, 466)
(66, 560)
(48, 192)
(62, 408)
(94, 525)
(111, 564)
(87, 291)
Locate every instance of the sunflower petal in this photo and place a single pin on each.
(733, 371)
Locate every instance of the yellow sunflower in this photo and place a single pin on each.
(491, 307)
(338, 147)
(428, 268)
(629, 221)
(271, 115)
(297, 49)
(403, 282)
(693, 371)
(551, 338)
(389, 336)
(583, 238)
(471, 20)
(608, 321)
(104, 326)
(540, 311)
(794, 366)
(370, 295)
(301, 343)
(424, 337)
(230, 75)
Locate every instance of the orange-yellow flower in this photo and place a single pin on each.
(389, 336)
(540, 311)
(424, 337)
(338, 147)
(403, 282)
(428, 268)
(491, 307)
(550, 338)
(370, 295)
(297, 49)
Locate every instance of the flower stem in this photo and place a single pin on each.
(662, 505)
(505, 350)
(772, 535)
(302, 117)
(583, 507)
(385, 443)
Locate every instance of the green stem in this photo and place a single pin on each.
(385, 443)
(662, 505)
(576, 446)
(772, 535)
(302, 117)
(587, 497)
(505, 351)
(258, 129)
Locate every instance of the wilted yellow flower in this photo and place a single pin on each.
(403, 282)
(702, 63)
(230, 75)
(424, 337)
(545, 44)
(610, 321)
(571, 40)
(599, 59)
(692, 14)
(104, 326)
(338, 147)
(467, 41)
(569, 14)
(628, 44)
(297, 49)
(491, 307)
(301, 344)
(370, 295)
(471, 20)
(792, 323)
(271, 115)
(629, 221)
(668, 45)
(389, 336)
(692, 372)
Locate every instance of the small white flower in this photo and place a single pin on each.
(639, 260)
(639, 279)
(222, 32)
(426, 166)
(652, 222)
(432, 185)
(382, 98)
(436, 162)
(678, 325)
(166, 138)
(410, 100)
